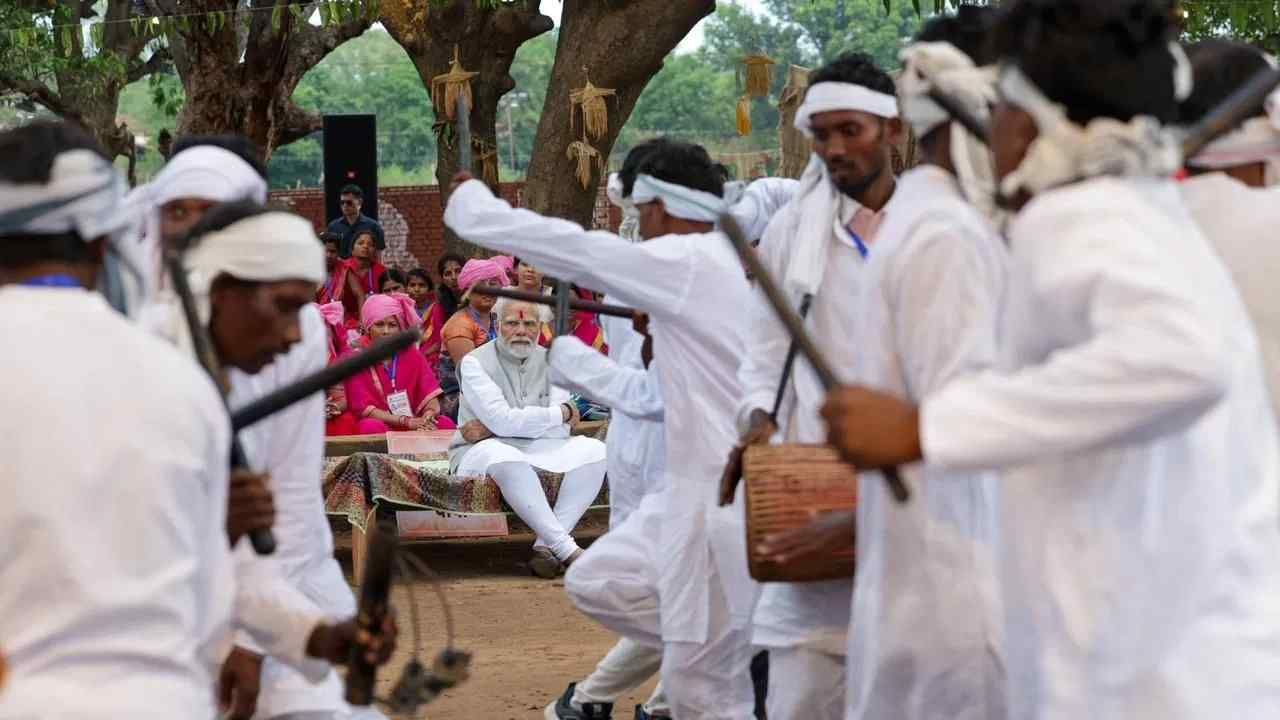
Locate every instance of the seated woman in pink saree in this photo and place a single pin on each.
(338, 417)
(401, 393)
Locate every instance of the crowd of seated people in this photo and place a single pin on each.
(363, 300)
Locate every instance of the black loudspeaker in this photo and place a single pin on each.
(350, 158)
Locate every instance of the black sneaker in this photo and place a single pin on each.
(563, 709)
(642, 715)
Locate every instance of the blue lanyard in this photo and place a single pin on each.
(58, 280)
(395, 362)
(857, 240)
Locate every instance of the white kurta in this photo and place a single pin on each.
(115, 581)
(636, 452)
(813, 615)
(1138, 491)
(1241, 223)
(924, 639)
(290, 445)
(694, 289)
(551, 446)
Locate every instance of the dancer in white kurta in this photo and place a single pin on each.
(636, 466)
(1138, 454)
(506, 387)
(817, 246)
(690, 593)
(928, 307)
(117, 580)
(301, 584)
(1232, 192)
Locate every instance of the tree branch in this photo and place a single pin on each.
(297, 123)
(37, 92)
(310, 44)
(158, 61)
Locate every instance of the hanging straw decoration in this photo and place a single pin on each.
(595, 108)
(744, 115)
(446, 88)
(487, 154)
(759, 75)
(582, 151)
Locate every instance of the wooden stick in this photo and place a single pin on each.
(1231, 112)
(795, 328)
(574, 303)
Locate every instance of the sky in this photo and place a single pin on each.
(691, 42)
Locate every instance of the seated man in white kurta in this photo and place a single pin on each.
(506, 388)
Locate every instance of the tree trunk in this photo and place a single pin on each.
(240, 75)
(87, 90)
(487, 40)
(621, 46)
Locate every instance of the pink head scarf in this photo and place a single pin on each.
(333, 313)
(380, 307)
(479, 270)
(507, 262)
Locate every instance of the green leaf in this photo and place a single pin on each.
(277, 14)
(888, 6)
(371, 10)
(916, 4)
(68, 40)
(326, 13)
(97, 32)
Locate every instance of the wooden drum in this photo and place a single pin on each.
(785, 485)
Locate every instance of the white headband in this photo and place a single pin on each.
(940, 65)
(207, 172)
(679, 201)
(84, 195)
(835, 96)
(1064, 152)
(1257, 140)
(270, 247)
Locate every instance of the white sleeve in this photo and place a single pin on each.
(761, 201)
(215, 596)
(272, 617)
(768, 342)
(653, 276)
(586, 371)
(1151, 363)
(944, 291)
(491, 408)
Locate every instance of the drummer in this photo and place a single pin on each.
(817, 246)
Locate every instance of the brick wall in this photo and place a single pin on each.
(413, 220)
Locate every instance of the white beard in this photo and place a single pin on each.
(519, 351)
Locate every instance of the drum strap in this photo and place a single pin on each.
(790, 362)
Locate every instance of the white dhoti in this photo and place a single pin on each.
(616, 584)
(580, 459)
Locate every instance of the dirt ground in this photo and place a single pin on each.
(528, 641)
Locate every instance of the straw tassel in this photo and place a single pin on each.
(582, 151)
(759, 75)
(744, 115)
(595, 109)
(446, 88)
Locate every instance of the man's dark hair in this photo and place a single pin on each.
(1220, 67)
(351, 189)
(855, 68)
(969, 30)
(29, 152)
(444, 294)
(330, 238)
(685, 164)
(637, 155)
(242, 146)
(1099, 58)
(393, 274)
(422, 275)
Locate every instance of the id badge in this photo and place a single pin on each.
(398, 402)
